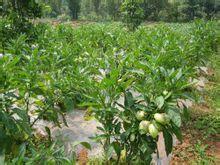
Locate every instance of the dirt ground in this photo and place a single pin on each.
(195, 147)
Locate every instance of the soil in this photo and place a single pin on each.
(185, 152)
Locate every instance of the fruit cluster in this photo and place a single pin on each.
(152, 127)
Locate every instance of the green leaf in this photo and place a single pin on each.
(175, 116)
(21, 113)
(186, 113)
(168, 139)
(86, 145)
(139, 72)
(48, 132)
(143, 147)
(176, 130)
(2, 159)
(117, 148)
(101, 129)
(69, 104)
(179, 74)
(110, 152)
(99, 138)
(159, 102)
(22, 151)
(128, 99)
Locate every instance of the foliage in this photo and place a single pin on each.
(154, 10)
(202, 156)
(149, 80)
(16, 15)
(26, 95)
(96, 66)
(209, 125)
(64, 18)
(47, 153)
(132, 13)
(23, 9)
(42, 154)
(74, 6)
(46, 10)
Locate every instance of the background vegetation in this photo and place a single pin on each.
(154, 10)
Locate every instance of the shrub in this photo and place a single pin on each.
(63, 17)
(132, 13)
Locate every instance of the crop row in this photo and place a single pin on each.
(53, 70)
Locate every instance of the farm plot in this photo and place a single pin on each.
(54, 70)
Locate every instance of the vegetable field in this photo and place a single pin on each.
(135, 83)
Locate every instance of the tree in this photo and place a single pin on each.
(56, 6)
(209, 8)
(96, 4)
(190, 10)
(19, 12)
(132, 13)
(74, 7)
(23, 9)
(152, 8)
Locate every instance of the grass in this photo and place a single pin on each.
(215, 92)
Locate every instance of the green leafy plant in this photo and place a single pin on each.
(42, 154)
(150, 87)
(130, 81)
(134, 125)
(209, 125)
(202, 157)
